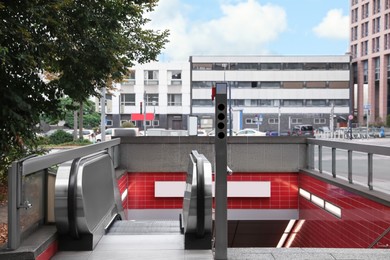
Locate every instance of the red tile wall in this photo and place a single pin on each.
(49, 252)
(284, 191)
(122, 183)
(362, 220)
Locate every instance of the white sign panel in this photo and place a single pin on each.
(235, 189)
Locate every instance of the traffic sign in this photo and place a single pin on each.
(367, 106)
(350, 117)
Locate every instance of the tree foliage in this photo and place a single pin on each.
(49, 49)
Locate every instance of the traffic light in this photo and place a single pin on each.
(221, 111)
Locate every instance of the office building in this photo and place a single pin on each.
(370, 49)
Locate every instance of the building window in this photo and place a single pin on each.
(365, 71)
(296, 120)
(376, 25)
(319, 121)
(202, 84)
(247, 66)
(127, 99)
(376, 7)
(270, 66)
(174, 99)
(250, 121)
(340, 102)
(108, 122)
(152, 99)
(316, 103)
(365, 11)
(292, 66)
(387, 4)
(273, 121)
(354, 15)
(315, 66)
(387, 21)
(377, 68)
(293, 103)
(354, 51)
(365, 29)
(270, 84)
(388, 66)
(338, 66)
(354, 33)
(202, 102)
(264, 102)
(129, 78)
(238, 102)
(151, 77)
(174, 77)
(364, 48)
(202, 66)
(375, 45)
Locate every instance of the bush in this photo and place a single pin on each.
(60, 137)
(388, 121)
(128, 125)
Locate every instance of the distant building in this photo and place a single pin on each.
(264, 89)
(370, 49)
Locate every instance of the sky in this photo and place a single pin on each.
(252, 27)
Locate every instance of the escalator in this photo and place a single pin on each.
(88, 207)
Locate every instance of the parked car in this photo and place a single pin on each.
(303, 130)
(250, 132)
(202, 132)
(275, 133)
(87, 133)
(212, 133)
(323, 129)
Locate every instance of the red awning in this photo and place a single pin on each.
(140, 117)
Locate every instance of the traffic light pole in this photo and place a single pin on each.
(221, 234)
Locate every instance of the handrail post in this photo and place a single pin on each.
(13, 206)
(370, 171)
(334, 162)
(350, 180)
(320, 158)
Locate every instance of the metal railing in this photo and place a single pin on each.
(361, 164)
(27, 187)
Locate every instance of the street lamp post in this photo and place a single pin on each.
(279, 120)
(224, 65)
(154, 112)
(145, 100)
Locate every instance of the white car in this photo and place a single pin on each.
(212, 133)
(202, 132)
(250, 132)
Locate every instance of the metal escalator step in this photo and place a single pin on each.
(128, 227)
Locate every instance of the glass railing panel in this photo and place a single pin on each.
(342, 164)
(33, 192)
(381, 173)
(315, 157)
(327, 160)
(360, 168)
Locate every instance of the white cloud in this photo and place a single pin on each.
(333, 26)
(244, 28)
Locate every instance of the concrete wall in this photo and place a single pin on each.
(245, 154)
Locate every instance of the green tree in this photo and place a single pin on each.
(91, 117)
(49, 49)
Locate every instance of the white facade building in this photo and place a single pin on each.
(164, 87)
(264, 89)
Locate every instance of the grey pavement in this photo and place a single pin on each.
(172, 247)
(162, 240)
